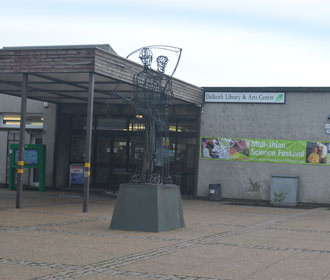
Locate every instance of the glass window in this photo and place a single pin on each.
(172, 126)
(187, 125)
(186, 152)
(111, 124)
(181, 153)
(136, 125)
(172, 149)
(78, 148)
(79, 122)
(136, 150)
(103, 150)
(14, 120)
(120, 151)
(189, 141)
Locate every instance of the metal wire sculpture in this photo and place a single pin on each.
(152, 96)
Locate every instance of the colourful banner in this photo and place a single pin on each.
(265, 150)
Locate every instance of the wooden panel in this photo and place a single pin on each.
(84, 60)
(47, 60)
(123, 70)
(187, 92)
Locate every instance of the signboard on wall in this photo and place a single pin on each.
(266, 150)
(245, 97)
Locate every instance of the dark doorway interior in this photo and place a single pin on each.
(118, 148)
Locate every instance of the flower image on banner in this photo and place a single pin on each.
(216, 147)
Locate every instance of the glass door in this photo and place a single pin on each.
(120, 162)
(110, 162)
(102, 161)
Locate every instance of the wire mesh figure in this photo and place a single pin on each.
(152, 96)
(166, 99)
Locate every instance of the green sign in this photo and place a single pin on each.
(265, 150)
(34, 157)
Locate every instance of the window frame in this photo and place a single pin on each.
(28, 126)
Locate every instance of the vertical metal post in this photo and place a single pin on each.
(198, 151)
(89, 127)
(20, 169)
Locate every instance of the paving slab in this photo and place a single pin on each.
(19, 271)
(318, 220)
(297, 266)
(22, 219)
(69, 249)
(212, 261)
(50, 238)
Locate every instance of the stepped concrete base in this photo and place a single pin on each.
(148, 207)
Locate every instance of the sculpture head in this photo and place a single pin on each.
(161, 63)
(146, 57)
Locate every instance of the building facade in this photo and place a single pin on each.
(236, 137)
(269, 139)
(40, 124)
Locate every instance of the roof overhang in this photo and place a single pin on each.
(60, 75)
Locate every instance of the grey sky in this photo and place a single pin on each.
(225, 43)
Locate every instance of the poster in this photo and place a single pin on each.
(265, 150)
(30, 157)
(76, 174)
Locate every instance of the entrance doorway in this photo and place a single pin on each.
(110, 161)
(118, 143)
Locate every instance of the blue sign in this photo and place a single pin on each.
(30, 157)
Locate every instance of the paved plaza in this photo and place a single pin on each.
(50, 238)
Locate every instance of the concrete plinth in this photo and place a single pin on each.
(148, 207)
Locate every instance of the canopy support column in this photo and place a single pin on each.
(20, 169)
(89, 127)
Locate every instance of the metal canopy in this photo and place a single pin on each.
(65, 87)
(60, 75)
